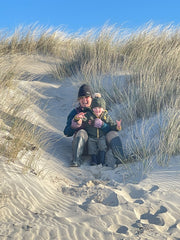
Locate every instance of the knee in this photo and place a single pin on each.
(110, 135)
(83, 134)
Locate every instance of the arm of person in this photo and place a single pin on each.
(106, 127)
(98, 123)
(112, 126)
(68, 130)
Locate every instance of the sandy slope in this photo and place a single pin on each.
(83, 203)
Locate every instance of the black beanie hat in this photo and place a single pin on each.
(98, 102)
(85, 91)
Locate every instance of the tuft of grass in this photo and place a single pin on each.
(94, 53)
(19, 136)
(34, 39)
(169, 144)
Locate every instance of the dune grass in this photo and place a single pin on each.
(148, 59)
(18, 135)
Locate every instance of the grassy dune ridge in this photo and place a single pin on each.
(148, 59)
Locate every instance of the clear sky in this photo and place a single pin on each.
(73, 15)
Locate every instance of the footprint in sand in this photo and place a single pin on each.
(85, 204)
(105, 197)
(139, 227)
(141, 193)
(122, 230)
(154, 188)
(139, 201)
(137, 193)
(155, 219)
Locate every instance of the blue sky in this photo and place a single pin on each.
(73, 15)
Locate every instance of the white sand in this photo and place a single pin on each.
(86, 203)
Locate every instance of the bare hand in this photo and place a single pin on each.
(80, 115)
(79, 122)
(118, 124)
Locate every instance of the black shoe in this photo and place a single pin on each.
(74, 164)
(118, 161)
(93, 160)
(102, 155)
(98, 158)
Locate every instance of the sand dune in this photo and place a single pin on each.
(86, 203)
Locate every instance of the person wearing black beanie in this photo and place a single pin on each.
(75, 127)
(85, 91)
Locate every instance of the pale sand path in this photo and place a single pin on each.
(86, 203)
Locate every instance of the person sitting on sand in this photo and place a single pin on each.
(75, 127)
(94, 120)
